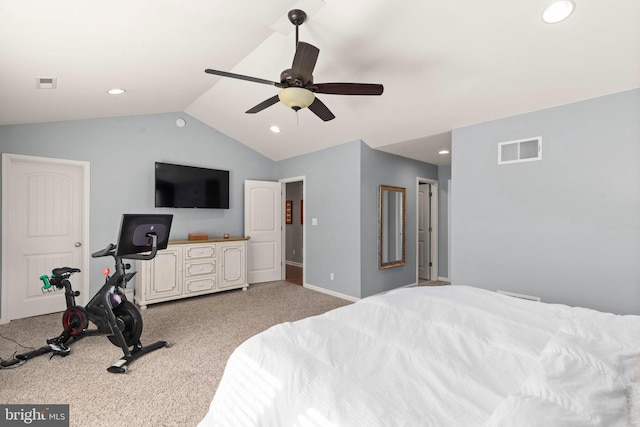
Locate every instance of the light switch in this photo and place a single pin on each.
(314, 221)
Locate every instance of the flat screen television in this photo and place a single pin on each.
(180, 186)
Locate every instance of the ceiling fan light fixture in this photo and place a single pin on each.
(296, 97)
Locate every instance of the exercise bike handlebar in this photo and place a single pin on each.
(104, 252)
(149, 255)
(111, 250)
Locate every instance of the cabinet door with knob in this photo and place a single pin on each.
(233, 270)
(161, 278)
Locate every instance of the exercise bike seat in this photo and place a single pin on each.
(64, 271)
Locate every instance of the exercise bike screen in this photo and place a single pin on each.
(134, 230)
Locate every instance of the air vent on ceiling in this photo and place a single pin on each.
(46, 82)
(522, 150)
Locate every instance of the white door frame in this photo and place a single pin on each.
(284, 182)
(7, 159)
(434, 223)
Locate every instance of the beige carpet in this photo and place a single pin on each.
(168, 387)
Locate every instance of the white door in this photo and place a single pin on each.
(44, 225)
(263, 225)
(424, 233)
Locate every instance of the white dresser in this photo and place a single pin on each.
(192, 267)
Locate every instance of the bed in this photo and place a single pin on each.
(435, 356)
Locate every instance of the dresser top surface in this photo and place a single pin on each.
(210, 240)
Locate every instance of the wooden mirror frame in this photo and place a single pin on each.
(384, 263)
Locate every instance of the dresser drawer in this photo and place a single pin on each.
(198, 252)
(199, 268)
(200, 285)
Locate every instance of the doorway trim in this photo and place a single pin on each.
(7, 159)
(283, 234)
(434, 222)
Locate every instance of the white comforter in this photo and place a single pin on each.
(434, 356)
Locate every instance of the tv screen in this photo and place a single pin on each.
(134, 228)
(179, 186)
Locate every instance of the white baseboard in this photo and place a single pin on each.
(410, 285)
(444, 279)
(295, 264)
(332, 293)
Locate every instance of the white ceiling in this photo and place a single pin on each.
(443, 64)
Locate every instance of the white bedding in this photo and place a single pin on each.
(434, 356)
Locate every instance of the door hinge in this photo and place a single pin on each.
(430, 228)
(430, 194)
(430, 264)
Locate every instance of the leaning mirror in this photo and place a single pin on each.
(391, 226)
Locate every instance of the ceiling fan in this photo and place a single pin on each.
(298, 89)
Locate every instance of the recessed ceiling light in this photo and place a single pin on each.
(275, 129)
(558, 11)
(116, 91)
(443, 152)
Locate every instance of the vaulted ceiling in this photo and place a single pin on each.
(443, 64)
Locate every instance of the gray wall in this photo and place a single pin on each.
(382, 168)
(341, 185)
(332, 186)
(566, 228)
(444, 175)
(122, 152)
(293, 232)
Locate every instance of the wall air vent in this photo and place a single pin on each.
(46, 82)
(522, 150)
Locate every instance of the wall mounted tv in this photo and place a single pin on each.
(179, 186)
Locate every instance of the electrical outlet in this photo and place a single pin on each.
(294, 252)
(330, 276)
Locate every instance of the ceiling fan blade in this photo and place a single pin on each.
(241, 77)
(321, 110)
(304, 61)
(264, 104)
(347, 88)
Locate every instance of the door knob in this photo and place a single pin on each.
(77, 244)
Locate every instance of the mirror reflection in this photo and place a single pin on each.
(391, 226)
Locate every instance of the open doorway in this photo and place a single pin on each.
(293, 230)
(427, 229)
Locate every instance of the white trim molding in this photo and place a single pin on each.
(435, 189)
(332, 293)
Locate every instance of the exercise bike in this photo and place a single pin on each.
(141, 236)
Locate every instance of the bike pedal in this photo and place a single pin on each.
(59, 350)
